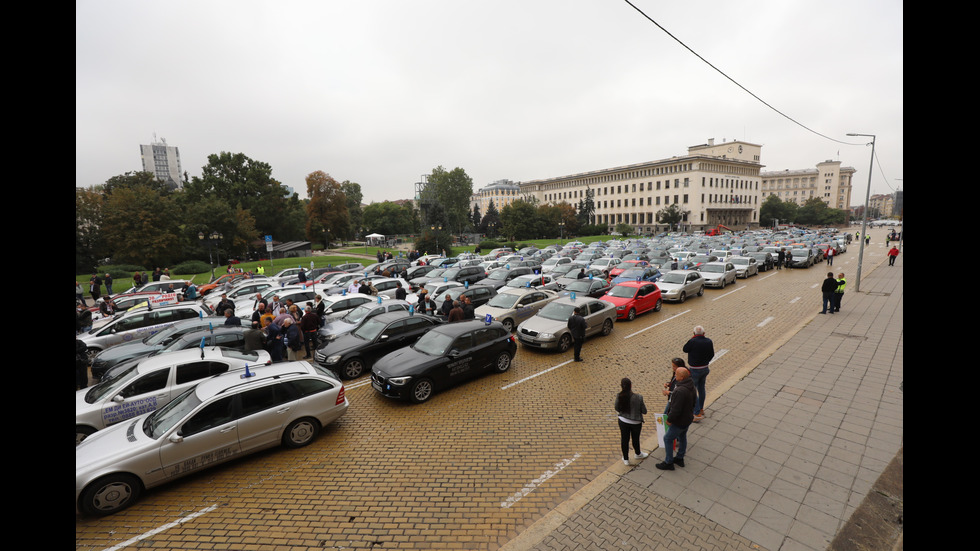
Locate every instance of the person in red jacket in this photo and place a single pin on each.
(892, 255)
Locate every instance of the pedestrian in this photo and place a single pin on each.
(81, 365)
(400, 292)
(273, 341)
(108, 284)
(224, 304)
(700, 350)
(257, 314)
(190, 292)
(867, 238)
(293, 339)
(892, 255)
(669, 385)
(137, 279)
(254, 338)
(301, 275)
(80, 293)
(423, 301)
(455, 313)
(83, 319)
(310, 325)
(780, 258)
(830, 256)
(789, 259)
(469, 312)
(577, 326)
(95, 287)
(828, 289)
(839, 291)
(231, 320)
(319, 308)
(679, 419)
(630, 407)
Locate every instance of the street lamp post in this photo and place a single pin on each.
(436, 230)
(864, 214)
(561, 228)
(212, 240)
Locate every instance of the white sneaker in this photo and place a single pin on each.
(626, 462)
(641, 455)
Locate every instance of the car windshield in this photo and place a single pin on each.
(672, 278)
(165, 336)
(162, 420)
(579, 286)
(450, 273)
(357, 314)
(559, 311)
(503, 300)
(713, 268)
(110, 385)
(498, 274)
(370, 329)
(633, 274)
(435, 273)
(622, 291)
(738, 260)
(433, 343)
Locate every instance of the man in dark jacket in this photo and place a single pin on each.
(700, 350)
(577, 326)
(680, 415)
(828, 288)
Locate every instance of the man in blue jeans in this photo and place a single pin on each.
(699, 351)
(679, 419)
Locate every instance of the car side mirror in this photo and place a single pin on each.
(454, 353)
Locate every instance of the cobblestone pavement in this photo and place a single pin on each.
(492, 461)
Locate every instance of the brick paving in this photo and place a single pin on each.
(489, 463)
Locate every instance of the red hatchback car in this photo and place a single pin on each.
(634, 297)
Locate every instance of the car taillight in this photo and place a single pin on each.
(340, 396)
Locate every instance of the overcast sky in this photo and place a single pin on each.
(380, 92)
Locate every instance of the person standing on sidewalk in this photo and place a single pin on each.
(630, 407)
(839, 292)
(669, 385)
(828, 289)
(577, 326)
(892, 255)
(679, 419)
(699, 351)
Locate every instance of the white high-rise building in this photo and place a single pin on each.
(163, 161)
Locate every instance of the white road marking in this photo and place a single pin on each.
(794, 300)
(765, 322)
(531, 486)
(656, 324)
(528, 378)
(156, 531)
(728, 293)
(720, 353)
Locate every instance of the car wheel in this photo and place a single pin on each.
(683, 297)
(300, 432)
(503, 363)
(723, 283)
(82, 432)
(110, 494)
(508, 325)
(607, 327)
(421, 391)
(564, 343)
(632, 314)
(701, 291)
(353, 368)
(660, 304)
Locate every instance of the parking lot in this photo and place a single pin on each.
(476, 464)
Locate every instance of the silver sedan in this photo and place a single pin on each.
(513, 305)
(548, 329)
(745, 266)
(222, 418)
(678, 285)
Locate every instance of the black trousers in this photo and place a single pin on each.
(578, 347)
(627, 432)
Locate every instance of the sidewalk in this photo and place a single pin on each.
(787, 457)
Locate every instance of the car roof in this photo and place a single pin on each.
(219, 384)
(457, 328)
(151, 363)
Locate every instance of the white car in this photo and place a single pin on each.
(149, 383)
(511, 305)
(718, 274)
(678, 285)
(745, 266)
(220, 419)
(138, 324)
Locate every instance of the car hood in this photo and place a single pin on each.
(126, 351)
(342, 344)
(111, 446)
(669, 286)
(482, 311)
(544, 325)
(404, 361)
(617, 301)
(337, 327)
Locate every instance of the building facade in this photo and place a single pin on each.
(882, 206)
(828, 182)
(163, 161)
(714, 184)
(501, 192)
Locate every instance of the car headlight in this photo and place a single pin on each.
(399, 381)
(333, 359)
(546, 335)
(620, 308)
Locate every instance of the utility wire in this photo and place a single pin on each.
(733, 81)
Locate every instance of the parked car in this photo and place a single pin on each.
(353, 353)
(111, 357)
(139, 324)
(594, 287)
(634, 297)
(356, 316)
(647, 273)
(445, 356)
(548, 328)
(535, 281)
(745, 266)
(513, 305)
(219, 419)
(766, 260)
(148, 384)
(499, 277)
(678, 285)
(718, 274)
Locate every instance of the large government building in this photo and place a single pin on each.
(714, 184)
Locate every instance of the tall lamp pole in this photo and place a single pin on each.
(864, 216)
(212, 240)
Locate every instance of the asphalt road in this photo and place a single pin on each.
(476, 464)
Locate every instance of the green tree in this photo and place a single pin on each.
(452, 191)
(586, 208)
(518, 220)
(141, 226)
(490, 223)
(774, 209)
(327, 207)
(352, 191)
(623, 229)
(671, 215)
(388, 218)
(89, 244)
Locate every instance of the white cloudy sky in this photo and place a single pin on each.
(381, 92)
